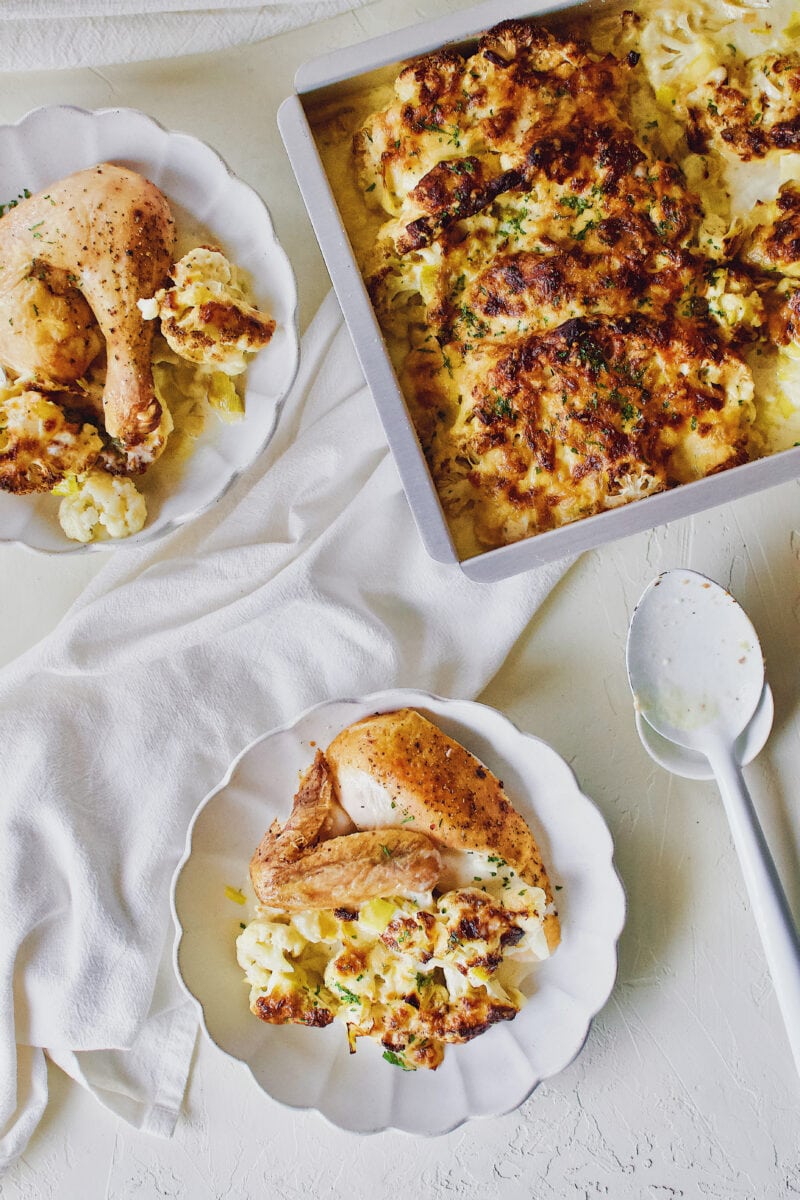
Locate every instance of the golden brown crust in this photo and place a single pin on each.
(40, 443)
(753, 111)
(522, 208)
(572, 422)
(292, 1008)
(772, 244)
(299, 866)
(444, 790)
(111, 231)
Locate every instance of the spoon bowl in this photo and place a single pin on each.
(690, 764)
(694, 661)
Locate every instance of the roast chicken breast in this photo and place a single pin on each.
(97, 242)
(399, 769)
(300, 866)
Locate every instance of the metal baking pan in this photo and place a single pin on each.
(353, 67)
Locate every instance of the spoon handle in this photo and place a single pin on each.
(767, 898)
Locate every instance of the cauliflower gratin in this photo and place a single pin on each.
(404, 896)
(413, 974)
(584, 255)
(109, 347)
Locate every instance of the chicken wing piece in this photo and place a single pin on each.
(111, 232)
(301, 866)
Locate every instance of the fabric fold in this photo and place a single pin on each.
(40, 35)
(307, 582)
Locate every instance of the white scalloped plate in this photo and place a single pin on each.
(49, 143)
(311, 1068)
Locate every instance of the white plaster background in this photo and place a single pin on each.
(686, 1087)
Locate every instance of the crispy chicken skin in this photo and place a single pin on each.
(300, 866)
(107, 233)
(436, 785)
(417, 972)
(47, 330)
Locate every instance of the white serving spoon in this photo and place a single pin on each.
(692, 765)
(697, 676)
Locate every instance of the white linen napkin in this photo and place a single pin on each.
(48, 34)
(307, 582)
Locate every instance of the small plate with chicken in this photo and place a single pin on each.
(148, 329)
(400, 911)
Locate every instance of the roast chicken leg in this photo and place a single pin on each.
(103, 237)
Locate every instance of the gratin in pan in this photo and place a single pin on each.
(322, 83)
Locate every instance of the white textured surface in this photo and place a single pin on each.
(686, 1087)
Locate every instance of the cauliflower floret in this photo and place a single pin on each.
(734, 303)
(749, 108)
(205, 317)
(411, 974)
(281, 990)
(772, 239)
(39, 444)
(99, 505)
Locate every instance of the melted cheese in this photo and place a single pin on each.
(555, 273)
(413, 974)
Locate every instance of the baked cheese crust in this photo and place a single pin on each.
(572, 326)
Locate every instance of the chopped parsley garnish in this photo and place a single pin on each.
(463, 166)
(474, 324)
(578, 204)
(578, 235)
(347, 995)
(513, 225)
(395, 1060)
(589, 353)
(24, 195)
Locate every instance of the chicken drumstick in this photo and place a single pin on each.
(109, 232)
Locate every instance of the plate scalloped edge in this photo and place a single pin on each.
(289, 344)
(608, 929)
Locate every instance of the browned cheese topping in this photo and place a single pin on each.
(570, 343)
(751, 108)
